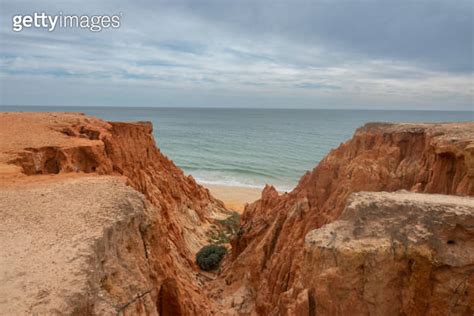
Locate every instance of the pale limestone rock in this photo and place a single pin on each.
(394, 254)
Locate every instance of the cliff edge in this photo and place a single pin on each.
(76, 246)
(393, 254)
(424, 158)
(97, 220)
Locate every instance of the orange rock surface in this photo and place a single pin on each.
(428, 158)
(130, 249)
(47, 148)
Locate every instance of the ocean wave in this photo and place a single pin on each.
(232, 182)
(246, 171)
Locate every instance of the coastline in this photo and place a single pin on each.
(234, 198)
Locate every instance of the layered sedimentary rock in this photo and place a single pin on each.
(141, 248)
(98, 221)
(427, 158)
(393, 254)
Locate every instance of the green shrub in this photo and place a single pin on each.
(209, 257)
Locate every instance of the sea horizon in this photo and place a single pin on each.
(9, 107)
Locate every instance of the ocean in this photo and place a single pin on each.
(251, 147)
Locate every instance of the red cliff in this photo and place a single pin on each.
(48, 150)
(427, 158)
(97, 221)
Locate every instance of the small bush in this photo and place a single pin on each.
(209, 257)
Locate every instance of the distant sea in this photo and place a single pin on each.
(251, 147)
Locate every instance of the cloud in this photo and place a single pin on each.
(316, 85)
(359, 54)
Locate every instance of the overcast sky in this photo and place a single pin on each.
(293, 54)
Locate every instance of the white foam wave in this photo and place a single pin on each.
(230, 182)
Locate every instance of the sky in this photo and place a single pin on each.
(371, 54)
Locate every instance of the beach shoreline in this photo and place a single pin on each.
(234, 197)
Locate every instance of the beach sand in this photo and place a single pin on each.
(234, 198)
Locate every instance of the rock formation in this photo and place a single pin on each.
(77, 246)
(393, 254)
(427, 158)
(95, 220)
(144, 262)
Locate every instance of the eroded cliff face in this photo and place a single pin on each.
(114, 248)
(393, 254)
(44, 147)
(428, 158)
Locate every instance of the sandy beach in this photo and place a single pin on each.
(234, 198)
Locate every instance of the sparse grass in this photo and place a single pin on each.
(225, 229)
(231, 223)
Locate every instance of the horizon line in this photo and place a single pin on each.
(233, 108)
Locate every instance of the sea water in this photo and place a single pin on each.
(251, 147)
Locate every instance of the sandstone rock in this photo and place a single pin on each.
(427, 158)
(44, 148)
(77, 246)
(394, 254)
(135, 254)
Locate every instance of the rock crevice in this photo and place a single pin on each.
(117, 225)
